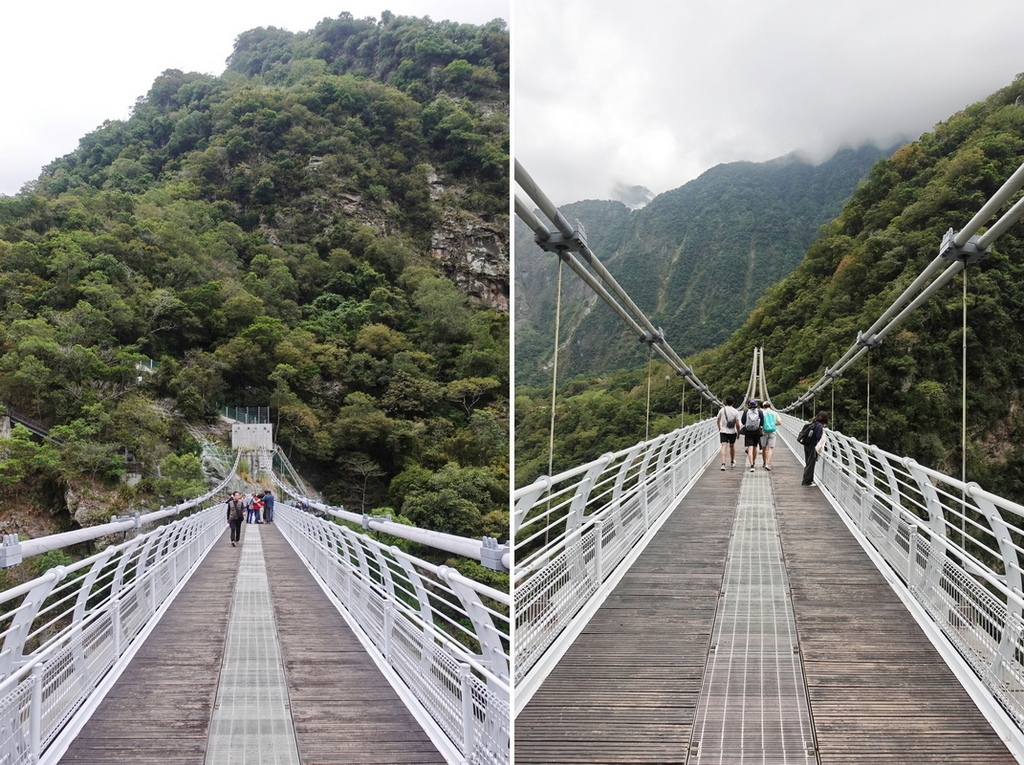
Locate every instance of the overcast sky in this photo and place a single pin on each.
(72, 64)
(654, 93)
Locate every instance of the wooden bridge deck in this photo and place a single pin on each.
(343, 710)
(627, 690)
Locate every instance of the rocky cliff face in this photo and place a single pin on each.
(474, 254)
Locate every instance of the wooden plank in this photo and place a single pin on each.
(879, 691)
(343, 709)
(627, 690)
(159, 709)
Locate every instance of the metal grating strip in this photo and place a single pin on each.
(252, 722)
(753, 706)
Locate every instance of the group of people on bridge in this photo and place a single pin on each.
(249, 509)
(758, 424)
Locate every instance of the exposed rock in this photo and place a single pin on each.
(474, 254)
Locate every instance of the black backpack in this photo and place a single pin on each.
(805, 432)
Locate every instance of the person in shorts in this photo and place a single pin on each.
(728, 426)
(769, 424)
(751, 431)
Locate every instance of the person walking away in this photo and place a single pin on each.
(769, 423)
(813, 444)
(751, 433)
(236, 509)
(268, 506)
(727, 419)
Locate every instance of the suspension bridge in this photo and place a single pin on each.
(309, 642)
(668, 613)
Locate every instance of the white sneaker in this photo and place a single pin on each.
(751, 468)
(723, 466)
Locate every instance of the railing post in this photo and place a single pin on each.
(465, 675)
(598, 551)
(35, 720)
(115, 624)
(911, 556)
(389, 622)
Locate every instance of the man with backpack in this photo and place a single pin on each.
(751, 433)
(812, 436)
(236, 511)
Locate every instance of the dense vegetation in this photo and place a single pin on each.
(289, 234)
(887, 232)
(695, 259)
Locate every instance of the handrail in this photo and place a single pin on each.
(577, 533)
(957, 551)
(441, 638)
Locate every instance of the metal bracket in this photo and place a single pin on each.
(491, 554)
(657, 337)
(868, 342)
(558, 243)
(832, 374)
(968, 253)
(10, 551)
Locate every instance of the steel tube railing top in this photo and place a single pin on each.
(476, 549)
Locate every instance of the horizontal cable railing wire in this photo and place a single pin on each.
(576, 532)
(441, 638)
(955, 548)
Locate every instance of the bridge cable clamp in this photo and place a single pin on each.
(968, 253)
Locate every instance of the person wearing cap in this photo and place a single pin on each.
(751, 433)
(769, 424)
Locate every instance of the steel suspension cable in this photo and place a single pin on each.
(566, 239)
(554, 373)
(963, 246)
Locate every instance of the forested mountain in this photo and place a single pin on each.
(322, 229)
(889, 230)
(695, 259)
(883, 237)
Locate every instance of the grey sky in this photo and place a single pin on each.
(71, 65)
(654, 93)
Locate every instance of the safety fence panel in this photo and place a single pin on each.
(955, 547)
(445, 637)
(574, 530)
(64, 631)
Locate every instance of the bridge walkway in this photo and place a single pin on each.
(629, 688)
(189, 696)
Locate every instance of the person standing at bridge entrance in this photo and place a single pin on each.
(814, 442)
(727, 420)
(236, 511)
(268, 507)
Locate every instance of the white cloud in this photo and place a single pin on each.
(657, 92)
(71, 65)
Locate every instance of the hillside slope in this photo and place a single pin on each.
(695, 259)
(885, 235)
(322, 229)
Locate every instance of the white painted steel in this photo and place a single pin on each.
(70, 631)
(441, 639)
(952, 551)
(576, 532)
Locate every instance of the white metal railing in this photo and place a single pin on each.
(64, 631)
(955, 548)
(576, 532)
(440, 637)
